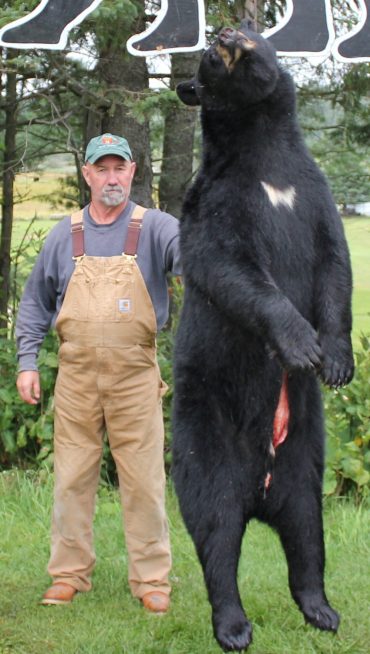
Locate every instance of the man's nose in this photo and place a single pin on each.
(112, 178)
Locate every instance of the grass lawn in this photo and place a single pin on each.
(109, 621)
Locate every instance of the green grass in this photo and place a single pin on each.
(109, 621)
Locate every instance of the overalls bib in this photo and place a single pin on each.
(109, 380)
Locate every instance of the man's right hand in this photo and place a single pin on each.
(28, 385)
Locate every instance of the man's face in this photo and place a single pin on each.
(110, 180)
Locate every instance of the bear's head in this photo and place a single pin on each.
(238, 70)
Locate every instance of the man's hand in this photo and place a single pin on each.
(28, 385)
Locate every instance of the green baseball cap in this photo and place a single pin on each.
(107, 144)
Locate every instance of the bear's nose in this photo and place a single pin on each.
(227, 36)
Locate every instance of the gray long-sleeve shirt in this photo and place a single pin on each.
(158, 253)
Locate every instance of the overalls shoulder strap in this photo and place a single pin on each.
(132, 238)
(133, 231)
(77, 231)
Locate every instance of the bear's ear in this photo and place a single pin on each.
(187, 94)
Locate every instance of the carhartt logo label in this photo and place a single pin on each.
(124, 306)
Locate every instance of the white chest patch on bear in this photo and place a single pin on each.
(278, 196)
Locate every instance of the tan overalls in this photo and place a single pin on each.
(109, 380)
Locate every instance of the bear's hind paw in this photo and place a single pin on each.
(318, 613)
(233, 633)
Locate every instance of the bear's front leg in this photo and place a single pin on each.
(338, 364)
(332, 303)
(294, 340)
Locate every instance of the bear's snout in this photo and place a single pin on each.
(232, 39)
(227, 37)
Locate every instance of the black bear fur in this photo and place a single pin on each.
(267, 289)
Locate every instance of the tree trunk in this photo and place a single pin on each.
(123, 79)
(118, 73)
(178, 143)
(9, 162)
(252, 10)
(127, 76)
(83, 189)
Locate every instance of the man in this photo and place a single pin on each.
(102, 276)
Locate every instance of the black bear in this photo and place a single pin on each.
(267, 310)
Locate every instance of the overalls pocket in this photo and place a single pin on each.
(111, 299)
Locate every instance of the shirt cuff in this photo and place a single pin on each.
(27, 362)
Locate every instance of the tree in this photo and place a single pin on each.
(178, 141)
(123, 81)
(8, 174)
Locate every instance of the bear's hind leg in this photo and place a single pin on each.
(299, 524)
(214, 518)
(219, 552)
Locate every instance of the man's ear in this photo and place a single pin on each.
(187, 94)
(133, 169)
(85, 172)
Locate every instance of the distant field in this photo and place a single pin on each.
(358, 235)
(32, 191)
(31, 186)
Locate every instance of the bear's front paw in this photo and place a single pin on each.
(338, 365)
(232, 630)
(298, 347)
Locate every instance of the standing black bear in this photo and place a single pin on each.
(267, 298)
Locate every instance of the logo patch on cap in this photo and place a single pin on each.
(108, 139)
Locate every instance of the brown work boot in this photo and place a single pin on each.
(156, 601)
(59, 593)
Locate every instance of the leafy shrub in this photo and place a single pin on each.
(165, 359)
(26, 431)
(348, 429)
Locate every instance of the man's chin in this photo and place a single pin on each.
(113, 201)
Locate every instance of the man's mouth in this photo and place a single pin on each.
(113, 196)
